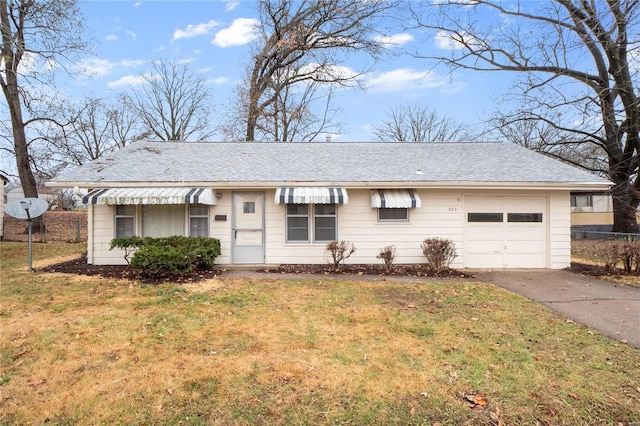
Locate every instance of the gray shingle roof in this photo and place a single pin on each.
(222, 163)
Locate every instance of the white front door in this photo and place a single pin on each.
(248, 227)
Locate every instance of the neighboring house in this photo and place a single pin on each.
(16, 193)
(592, 214)
(3, 181)
(275, 203)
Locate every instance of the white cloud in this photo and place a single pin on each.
(405, 80)
(111, 37)
(131, 34)
(194, 30)
(137, 4)
(127, 80)
(220, 80)
(451, 41)
(329, 73)
(95, 67)
(240, 32)
(100, 67)
(395, 39)
(231, 5)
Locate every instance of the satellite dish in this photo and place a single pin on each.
(18, 208)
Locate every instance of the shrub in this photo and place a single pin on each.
(128, 244)
(611, 253)
(171, 257)
(439, 253)
(388, 256)
(339, 251)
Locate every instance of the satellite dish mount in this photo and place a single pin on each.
(29, 209)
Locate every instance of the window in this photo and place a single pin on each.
(321, 217)
(485, 217)
(524, 217)
(393, 215)
(297, 222)
(249, 207)
(198, 220)
(324, 222)
(581, 201)
(163, 220)
(125, 221)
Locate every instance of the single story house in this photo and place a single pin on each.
(273, 203)
(16, 193)
(592, 214)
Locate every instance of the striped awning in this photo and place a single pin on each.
(311, 195)
(394, 199)
(120, 196)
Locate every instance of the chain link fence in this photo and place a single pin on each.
(67, 226)
(599, 232)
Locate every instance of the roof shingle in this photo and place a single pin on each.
(158, 163)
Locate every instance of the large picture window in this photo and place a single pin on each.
(163, 220)
(125, 221)
(306, 219)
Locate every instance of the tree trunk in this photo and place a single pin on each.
(624, 209)
(21, 147)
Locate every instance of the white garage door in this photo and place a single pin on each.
(505, 232)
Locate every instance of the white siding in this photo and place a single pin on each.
(441, 215)
(559, 230)
(1, 207)
(101, 223)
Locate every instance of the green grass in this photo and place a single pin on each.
(89, 350)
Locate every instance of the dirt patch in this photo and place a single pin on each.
(79, 266)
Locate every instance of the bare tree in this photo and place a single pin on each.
(88, 130)
(173, 102)
(574, 59)
(538, 135)
(306, 41)
(298, 112)
(37, 35)
(419, 123)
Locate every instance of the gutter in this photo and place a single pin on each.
(529, 186)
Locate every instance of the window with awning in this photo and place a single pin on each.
(395, 199)
(311, 195)
(144, 196)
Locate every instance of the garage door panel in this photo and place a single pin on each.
(527, 260)
(519, 243)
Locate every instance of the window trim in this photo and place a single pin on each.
(335, 223)
(395, 220)
(286, 224)
(573, 201)
(117, 216)
(206, 216)
(311, 224)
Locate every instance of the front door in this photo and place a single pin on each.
(248, 227)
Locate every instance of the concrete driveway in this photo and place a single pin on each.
(611, 309)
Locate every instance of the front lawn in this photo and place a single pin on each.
(225, 351)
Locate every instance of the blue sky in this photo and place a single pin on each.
(213, 37)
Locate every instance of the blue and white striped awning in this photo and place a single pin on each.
(394, 199)
(122, 196)
(311, 195)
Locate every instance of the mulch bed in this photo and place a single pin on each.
(592, 270)
(79, 266)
